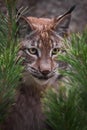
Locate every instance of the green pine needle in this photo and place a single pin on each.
(10, 70)
(66, 109)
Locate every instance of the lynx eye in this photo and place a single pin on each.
(33, 51)
(55, 51)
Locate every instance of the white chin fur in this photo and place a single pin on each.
(50, 81)
(41, 82)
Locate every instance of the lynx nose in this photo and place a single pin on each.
(45, 72)
(45, 67)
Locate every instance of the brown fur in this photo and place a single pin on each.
(27, 113)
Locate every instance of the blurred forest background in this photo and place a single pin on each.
(69, 106)
(51, 8)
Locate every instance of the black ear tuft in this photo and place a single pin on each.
(71, 9)
(68, 12)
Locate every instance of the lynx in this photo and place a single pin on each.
(41, 47)
(39, 51)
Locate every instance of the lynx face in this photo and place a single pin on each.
(41, 47)
(40, 55)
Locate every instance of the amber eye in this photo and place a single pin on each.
(33, 51)
(55, 51)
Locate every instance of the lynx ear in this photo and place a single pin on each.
(24, 27)
(62, 22)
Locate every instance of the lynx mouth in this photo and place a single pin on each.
(43, 80)
(41, 77)
(38, 75)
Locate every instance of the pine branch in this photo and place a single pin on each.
(66, 109)
(10, 71)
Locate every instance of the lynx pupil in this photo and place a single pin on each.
(55, 51)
